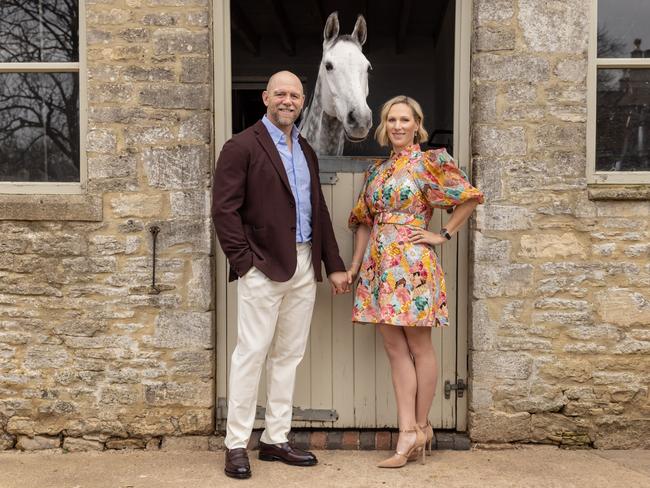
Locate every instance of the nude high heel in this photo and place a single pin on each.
(399, 459)
(428, 433)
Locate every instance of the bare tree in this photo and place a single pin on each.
(39, 112)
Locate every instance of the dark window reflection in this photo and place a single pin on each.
(39, 127)
(39, 31)
(620, 22)
(623, 120)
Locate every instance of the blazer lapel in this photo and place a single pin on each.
(267, 143)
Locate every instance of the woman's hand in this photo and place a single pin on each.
(422, 236)
(353, 272)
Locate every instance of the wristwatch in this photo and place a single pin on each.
(445, 233)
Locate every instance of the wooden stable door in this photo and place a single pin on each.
(345, 374)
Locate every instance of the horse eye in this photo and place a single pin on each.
(328, 66)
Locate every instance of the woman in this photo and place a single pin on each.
(401, 285)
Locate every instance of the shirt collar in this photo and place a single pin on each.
(277, 134)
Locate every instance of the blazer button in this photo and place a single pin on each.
(293, 228)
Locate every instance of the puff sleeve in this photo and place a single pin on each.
(361, 212)
(444, 184)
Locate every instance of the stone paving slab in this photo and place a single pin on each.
(539, 467)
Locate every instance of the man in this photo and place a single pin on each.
(274, 227)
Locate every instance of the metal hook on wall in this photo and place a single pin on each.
(154, 229)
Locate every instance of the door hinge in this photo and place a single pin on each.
(459, 386)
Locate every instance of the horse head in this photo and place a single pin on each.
(344, 70)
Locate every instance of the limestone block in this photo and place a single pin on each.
(197, 421)
(559, 429)
(499, 280)
(500, 38)
(493, 426)
(45, 357)
(623, 307)
(484, 107)
(178, 168)
(107, 166)
(180, 41)
(558, 27)
(550, 246)
(190, 203)
(195, 70)
(110, 93)
(37, 443)
(140, 73)
(494, 10)
(6, 441)
(189, 97)
(560, 135)
(495, 141)
(71, 444)
(163, 19)
(148, 136)
(101, 141)
(517, 67)
(491, 250)
(502, 217)
(20, 425)
(133, 443)
(196, 128)
(137, 34)
(622, 433)
(200, 286)
(176, 329)
(196, 394)
(193, 364)
(137, 205)
(113, 16)
(488, 365)
(484, 330)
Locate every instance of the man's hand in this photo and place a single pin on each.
(339, 282)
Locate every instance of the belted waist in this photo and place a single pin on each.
(399, 218)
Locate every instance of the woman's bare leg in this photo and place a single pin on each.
(426, 369)
(404, 381)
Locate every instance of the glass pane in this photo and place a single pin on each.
(39, 31)
(623, 29)
(623, 120)
(39, 127)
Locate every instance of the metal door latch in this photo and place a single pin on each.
(459, 386)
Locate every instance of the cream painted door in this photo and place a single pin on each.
(345, 374)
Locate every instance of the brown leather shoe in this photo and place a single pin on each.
(287, 454)
(237, 465)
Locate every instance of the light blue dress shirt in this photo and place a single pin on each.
(295, 164)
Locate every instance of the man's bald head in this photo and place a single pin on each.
(283, 78)
(284, 99)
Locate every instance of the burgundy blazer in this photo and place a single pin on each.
(254, 212)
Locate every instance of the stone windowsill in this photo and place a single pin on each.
(618, 192)
(86, 208)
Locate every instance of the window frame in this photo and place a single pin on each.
(80, 67)
(593, 63)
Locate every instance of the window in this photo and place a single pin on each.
(40, 93)
(619, 92)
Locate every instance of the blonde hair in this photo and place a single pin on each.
(381, 136)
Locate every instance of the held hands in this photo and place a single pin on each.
(353, 272)
(339, 282)
(422, 236)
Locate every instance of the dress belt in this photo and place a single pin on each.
(399, 218)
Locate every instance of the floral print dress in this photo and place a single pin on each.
(401, 283)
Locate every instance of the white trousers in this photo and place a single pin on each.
(272, 325)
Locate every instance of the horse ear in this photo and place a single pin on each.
(331, 27)
(360, 32)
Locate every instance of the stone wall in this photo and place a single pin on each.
(87, 349)
(560, 336)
